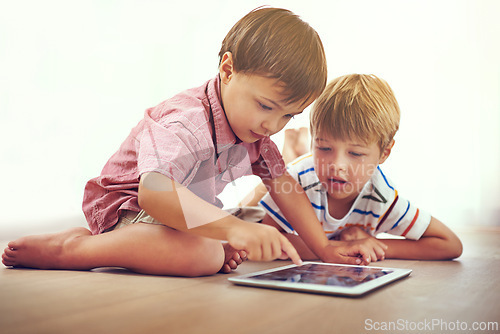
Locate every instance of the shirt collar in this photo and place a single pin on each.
(224, 134)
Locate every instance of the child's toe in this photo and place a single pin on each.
(225, 269)
(232, 264)
(237, 258)
(243, 255)
(8, 260)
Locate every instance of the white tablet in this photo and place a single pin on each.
(326, 278)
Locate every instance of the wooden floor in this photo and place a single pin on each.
(437, 297)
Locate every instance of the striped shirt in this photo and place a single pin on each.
(378, 208)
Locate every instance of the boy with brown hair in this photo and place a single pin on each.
(154, 208)
(352, 125)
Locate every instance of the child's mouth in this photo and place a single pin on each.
(338, 181)
(337, 184)
(256, 135)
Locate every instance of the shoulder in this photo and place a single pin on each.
(302, 165)
(303, 170)
(377, 194)
(381, 182)
(189, 108)
(304, 161)
(181, 123)
(187, 112)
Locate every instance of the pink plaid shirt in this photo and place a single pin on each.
(176, 139)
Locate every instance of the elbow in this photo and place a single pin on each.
(141, 200)
(151, 185)
(163, 206)
(455, 249)
(145, 200)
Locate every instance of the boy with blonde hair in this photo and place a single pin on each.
(154, 208)
(352, 125)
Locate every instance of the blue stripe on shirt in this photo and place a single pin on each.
(385, 179)
(277, 215)
(306, 171)
(366, 213)
(319, 207)
(407, 208)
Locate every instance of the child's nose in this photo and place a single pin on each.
(338, 165)
(271, 126)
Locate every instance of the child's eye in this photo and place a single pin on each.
(264, 107)
(356, 154)
(324, 149)
(289, 116)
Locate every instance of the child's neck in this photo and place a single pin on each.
(339, 208)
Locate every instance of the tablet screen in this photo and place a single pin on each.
(312, 273)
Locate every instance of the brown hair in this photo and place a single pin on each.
(357, 106)
(276, 43)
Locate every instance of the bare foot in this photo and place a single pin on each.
(303, 143)
(296, 144)
(47, 251)
(232, 258)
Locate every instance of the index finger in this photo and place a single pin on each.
(287, 247)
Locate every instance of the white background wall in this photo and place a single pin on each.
(76, 76)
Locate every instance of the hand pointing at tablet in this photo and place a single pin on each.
(262, 243)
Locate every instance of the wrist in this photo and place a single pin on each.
(321, 249)
(326, 251)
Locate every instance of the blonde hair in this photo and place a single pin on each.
(357, 106)
(276, 43)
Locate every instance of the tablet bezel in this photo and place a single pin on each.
(358, 290)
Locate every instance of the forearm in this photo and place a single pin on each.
(253, 198)
(298, 211)
(304, 251)
(437, 243)
(177, 207)
(430, 248)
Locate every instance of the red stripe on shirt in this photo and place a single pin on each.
(411, 225)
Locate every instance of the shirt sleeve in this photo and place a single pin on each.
(171, 149)
(404, 219)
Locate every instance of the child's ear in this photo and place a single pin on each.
(386, 152)
(226, 68)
